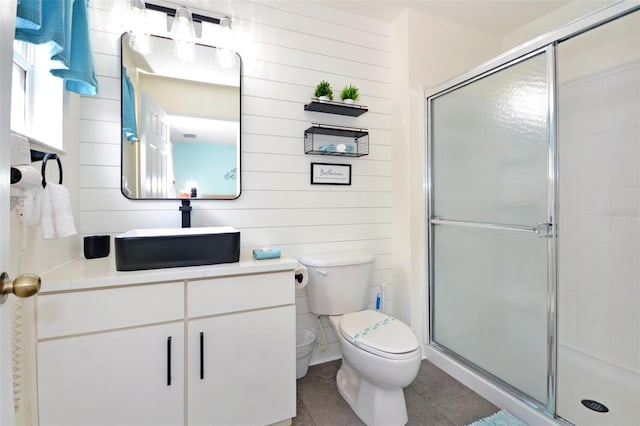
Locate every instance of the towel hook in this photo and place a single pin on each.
(50, 156)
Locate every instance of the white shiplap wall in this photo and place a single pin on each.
(285, 52)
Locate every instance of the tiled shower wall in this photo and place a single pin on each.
(285, 53)
(599, 296)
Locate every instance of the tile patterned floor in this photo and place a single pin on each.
(434, 399)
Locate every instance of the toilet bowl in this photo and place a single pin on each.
(375, 368)
(380, 354)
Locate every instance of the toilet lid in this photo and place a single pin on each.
(378, 333)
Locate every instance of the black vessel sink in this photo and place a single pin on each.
(140, 249)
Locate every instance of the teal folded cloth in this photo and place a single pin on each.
(266, 253)
(328, 148)
(349, 149)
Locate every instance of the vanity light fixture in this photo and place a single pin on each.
(184, 35)
(172, 12)
(138, 25)
(225, 52)
(183, 32)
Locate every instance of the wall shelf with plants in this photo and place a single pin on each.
(322, 139)
(323, 101)
(333, 107)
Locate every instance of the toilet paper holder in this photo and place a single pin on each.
(301, 276)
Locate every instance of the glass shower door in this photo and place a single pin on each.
(491, 192)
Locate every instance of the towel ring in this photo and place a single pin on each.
(50, 156)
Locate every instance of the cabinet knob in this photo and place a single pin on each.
(26, 285)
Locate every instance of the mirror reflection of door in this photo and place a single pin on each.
(156, 164)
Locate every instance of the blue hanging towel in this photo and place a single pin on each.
(80, 77)
(29, 14)
(64, 27)
(129, 123)
(63, 55)
(52, 29)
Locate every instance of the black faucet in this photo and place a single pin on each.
(186, 208)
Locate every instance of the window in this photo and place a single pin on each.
(36, 95)
(19, 86)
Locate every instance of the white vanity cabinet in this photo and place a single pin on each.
(113, 378)
(240, 340)
(206, 350)
(112, 356)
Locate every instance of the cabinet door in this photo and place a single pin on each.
(113, 378)
(247, 373)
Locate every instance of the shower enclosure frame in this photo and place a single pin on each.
(545, 229)
(546, 44)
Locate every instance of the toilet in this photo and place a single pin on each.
(380, 354)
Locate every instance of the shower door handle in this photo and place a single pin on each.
(544, 230)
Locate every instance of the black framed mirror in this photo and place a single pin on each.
(180, 123)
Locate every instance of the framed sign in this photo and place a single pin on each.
(330, 174)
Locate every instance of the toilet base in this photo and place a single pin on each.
(374, 405)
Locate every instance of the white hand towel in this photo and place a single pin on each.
(62, 208)
(57, 219)
(47, 221)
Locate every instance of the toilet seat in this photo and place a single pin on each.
(379, 334)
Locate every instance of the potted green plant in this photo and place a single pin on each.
(349, 94)
(323, 91)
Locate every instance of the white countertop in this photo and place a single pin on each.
(81, 274)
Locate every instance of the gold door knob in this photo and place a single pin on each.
(25, 285)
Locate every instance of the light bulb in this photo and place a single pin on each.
(184, 34)
(139, 39)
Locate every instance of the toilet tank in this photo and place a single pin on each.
(338, 281)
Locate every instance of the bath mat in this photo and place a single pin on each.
(501, 418)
